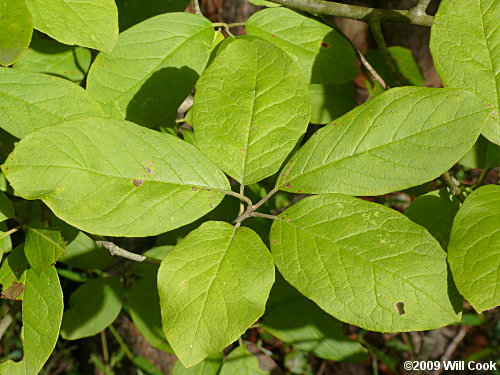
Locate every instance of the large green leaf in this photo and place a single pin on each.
(87, 23)
(131, 12)
(465, 39)
(112, 177)
(435, 211)
(401, 138)
(251, 107)
(42, 314)
(474, 249)
(152, 69)
(93, 307)
(30, 101)
(365, 264)
(213, 285)
(323, 55)
(298, 321)
(16, 27)
(144, 306)
(241, 361)
(51, 57)
(43, 248)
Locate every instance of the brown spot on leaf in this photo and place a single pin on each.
(274, 241)
(194, 188)
(137, 182)
(324, 44)
(288, 185)
(13, 291)
(149, 171)
(273, 35)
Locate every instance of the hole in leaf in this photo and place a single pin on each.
(401, 308)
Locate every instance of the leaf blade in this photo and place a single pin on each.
(120, 179)
(17, 27)
(94, 23)
(43, 247)
(168, 50)
(31, 101)
(93, 306)
(40, 325)
(373, 149)
(464, 46)
(385, 260)
(256, 126)
(474, 246)
(323, 55)
(218, 273)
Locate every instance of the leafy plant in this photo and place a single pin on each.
(108, 159)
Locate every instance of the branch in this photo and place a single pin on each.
(116, 250)
(251, 208)
(453, 185)
(241, 197)
(197, 9)
(382, 46)
(328, 8)
(370, 69)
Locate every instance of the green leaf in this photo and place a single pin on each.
(42, 314)
(435, 212)
(83, 253)
(87, 23)
(401, 138)
(209, 366)
(17, 26)
(43, 248)
(213, 285)
(251, 107)
(324, 56)
(120, 179)
(131, 12)
(474, 249)
(147, 316)
(241, 361)
(6, 208)
(298, 321)
(365, 264)
(30, 101)
(464, 46)
(152, 69)
(93, 307)
(331, 101)
(50, 57)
